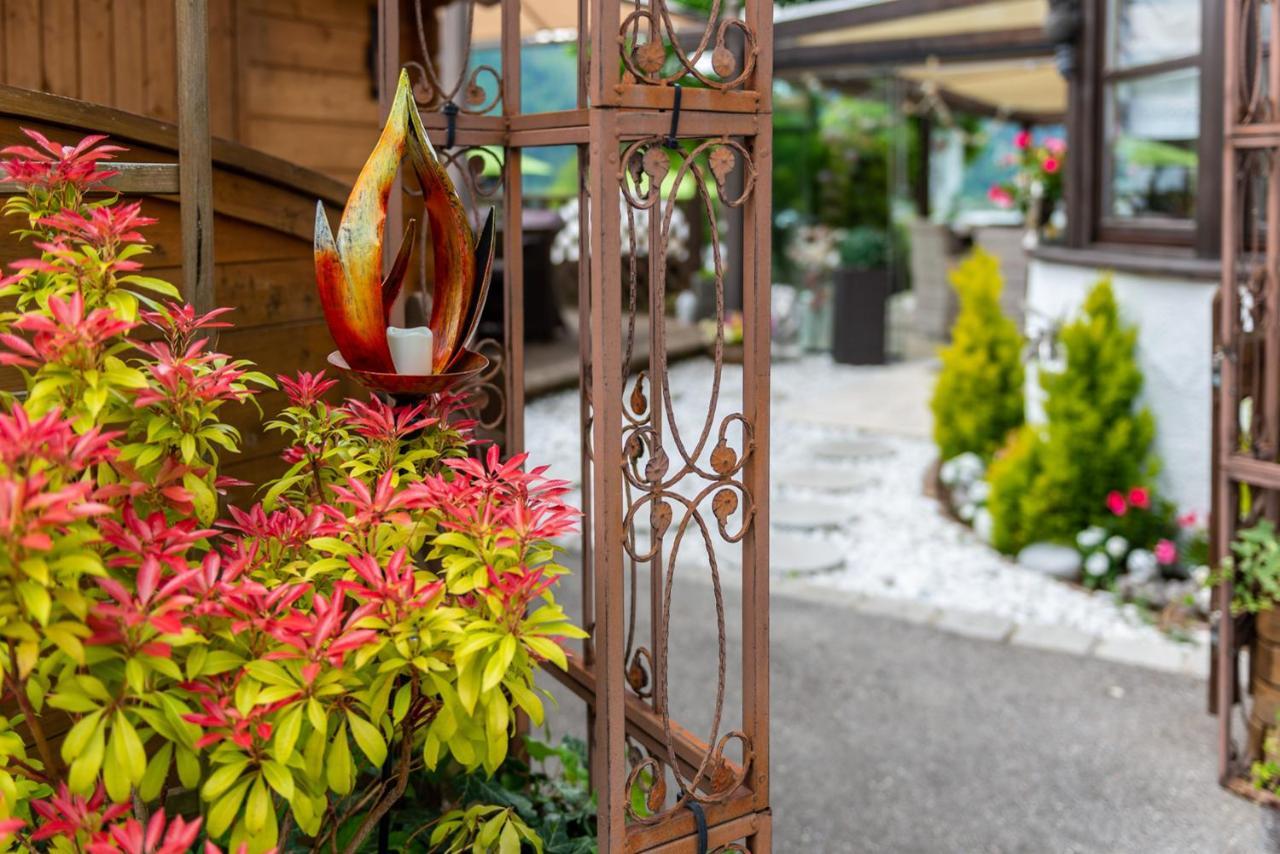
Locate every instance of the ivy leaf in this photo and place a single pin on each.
(369, 739)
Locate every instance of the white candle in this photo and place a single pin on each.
(410, 350)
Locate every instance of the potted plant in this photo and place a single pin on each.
(862, 286)
(814, 252)
(1253, 568)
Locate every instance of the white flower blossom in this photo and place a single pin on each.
(980, 491)
(1091, 537)
(983, 524)
(1142, 565)
(1117, 546)
(1097, 564)
(966, 512)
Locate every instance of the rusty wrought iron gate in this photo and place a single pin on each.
(1247, 400)
(662, 111)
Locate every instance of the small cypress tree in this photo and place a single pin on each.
(977, 399)
(1097, 437)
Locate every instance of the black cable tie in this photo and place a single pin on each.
(699, 817)
(450, 111)
(671, 141)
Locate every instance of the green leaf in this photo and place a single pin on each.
(338, 763)
(280, 778)
(368, 738)
(157, 771)
(509, 841)
(127, 749)
(223, 778)
(257, 807)
(224, 811)
(286, 734)
(496, 667)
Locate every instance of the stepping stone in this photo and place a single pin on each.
(810, 515)
(851, 449)
(824, 479)
(1051, 559)
(794, 554)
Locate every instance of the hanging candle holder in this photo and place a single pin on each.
(357, 299)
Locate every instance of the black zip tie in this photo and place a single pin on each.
(699, 817)
(671, 141)
(450, 111)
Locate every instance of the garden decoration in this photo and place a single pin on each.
(349, 652)
(357, 299)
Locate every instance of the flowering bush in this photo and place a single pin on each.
(1053, 481)
(978, 400)
(1135, 537)
(1036, 188)
(264, 677)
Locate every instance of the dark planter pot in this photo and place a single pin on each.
(861, 299)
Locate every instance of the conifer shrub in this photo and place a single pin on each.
(1097, 439)
(978, 396)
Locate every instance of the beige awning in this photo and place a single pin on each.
(991, 54)
(1031, 86)
(548, 20)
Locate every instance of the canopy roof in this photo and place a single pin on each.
(547, 20)
(990, 55)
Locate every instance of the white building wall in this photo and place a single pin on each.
(1175, 344)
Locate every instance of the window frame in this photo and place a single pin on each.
(1089, 167)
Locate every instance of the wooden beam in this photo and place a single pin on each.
(134, 179)
(860, 16)
(995, 44)
(195, 155)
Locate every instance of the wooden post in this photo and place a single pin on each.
(195, 159)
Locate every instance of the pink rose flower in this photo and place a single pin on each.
(1055, 146)
(1140, 497)
(1000, 196)
(1188, 519)
(1166, 552)
(1051, 165)
(1022, 139)
(1116, 503)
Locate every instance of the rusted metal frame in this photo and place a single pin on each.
(152, 179)
(606, 55)
(513, 234)
(1243, 469)
(635, 124)
(757, 229)
(495, 124)
(195, 157)
(587, 570)
(732, 820)
(607, 477)
(646, 96)
(759, 18)
(657, 272)
(643, 723)
(754, 828)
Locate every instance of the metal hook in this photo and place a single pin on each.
(699, 817)
(671, 141)
(450, 111)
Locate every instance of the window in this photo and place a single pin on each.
(1151, 104)
(1145, 126)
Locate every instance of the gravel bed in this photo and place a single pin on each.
(898, 544)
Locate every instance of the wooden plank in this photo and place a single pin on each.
(320, 45)
(160, 67)
(319, 146)
(134, 179)
(333, 11)
(22, 43)
(128, 69)
(303, 94)
(194, 154)
(223, 67)
(97, 51)
(35, 109)
(59, 57)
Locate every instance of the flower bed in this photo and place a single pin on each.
(280, 675)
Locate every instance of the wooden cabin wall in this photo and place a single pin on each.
(263, 268)
(292, 78)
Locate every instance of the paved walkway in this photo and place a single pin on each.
(889, 736)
